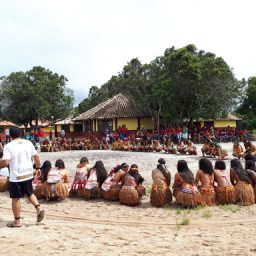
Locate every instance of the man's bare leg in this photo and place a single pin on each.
(16, 211)
(40, 212)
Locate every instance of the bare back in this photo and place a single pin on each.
(222, 178)
(206, 180)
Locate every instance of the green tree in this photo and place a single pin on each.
(248, 104)
(201, 84)
(36, 94)
(184, 83)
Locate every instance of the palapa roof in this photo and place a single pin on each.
(230, 117)
(119, 106)
(68, 120)
(6, 123)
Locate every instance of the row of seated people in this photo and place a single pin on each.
(214, 149)
(240, 153)
(141, 145)
(89, 183)
(211, 186)
(62, 144)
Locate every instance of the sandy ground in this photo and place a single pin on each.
(79, 227)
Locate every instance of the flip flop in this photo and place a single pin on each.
(14, 225)
(40, 216)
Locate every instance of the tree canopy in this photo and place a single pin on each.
(36, 94)
(184, 83)
(248, 102)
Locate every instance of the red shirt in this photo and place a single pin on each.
(178, 130)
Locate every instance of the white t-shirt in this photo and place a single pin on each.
(7, 132)
(4, 172)
(20, 153)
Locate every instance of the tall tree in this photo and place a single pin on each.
(184, 83)
(201, 84)
(36, 94)
(248, 105)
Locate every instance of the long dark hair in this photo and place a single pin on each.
(185, 172)
(60, 164)
(250, 164)
(45, 168)
(220, 165)
(249, 156)
(84, 160)
(162, 168)
(239, 170)
(115, 169)
(205, 165)
(100, 171)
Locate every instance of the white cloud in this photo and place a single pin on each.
(89, 41)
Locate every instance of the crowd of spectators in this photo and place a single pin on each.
(173, 134)
(196, 134)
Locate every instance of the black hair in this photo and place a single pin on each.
(185, 172)
(161, 161)
(162, 168)
(60, 164)
(100, 171)
(84, 160)
(250, 164)
(15, 132)
(220, 165)
(249, 156)
(117, 168)
(182, 166)
(45, 168)
(124, 165)
(239, 170)
(205, 165)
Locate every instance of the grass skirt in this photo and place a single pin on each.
(113, 193)
(94, 193)
(39, 192)
(4, 183)
(129, 196)
(56, 190)
(208, 196)
(225, 195)
(244, 194)
(141, 191)
(188, 197)
(160, 194)
(77, 191)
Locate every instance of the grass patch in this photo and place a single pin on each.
(187, 211)
(185, 221)
(167, 206)
(183, 218)
(148, 189)
(230, 207)
(206, 213)
(178, 211)
(198, 208)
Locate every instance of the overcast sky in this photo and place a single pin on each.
(88, 41)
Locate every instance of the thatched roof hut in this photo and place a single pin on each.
(116, 107)
(115, 112)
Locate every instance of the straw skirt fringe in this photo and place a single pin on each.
(244, 194)
(160, 194)
(4, 183)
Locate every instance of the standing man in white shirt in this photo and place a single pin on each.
(18, 155)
